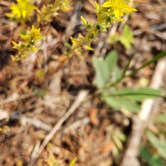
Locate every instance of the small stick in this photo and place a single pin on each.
(77, 124)
(35, 122)
(79, 99)
(16, 97)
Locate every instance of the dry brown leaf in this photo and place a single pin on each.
(93, 116)
(106, 148)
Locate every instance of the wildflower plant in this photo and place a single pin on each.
(108, 74)
(110, 12)
(107, 14)
(49, 11)
(25, 10)
(108, 77)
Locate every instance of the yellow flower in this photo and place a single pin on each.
(65, 5)
(119, 7)
(29, 43)
(22, 10)
(32, 35)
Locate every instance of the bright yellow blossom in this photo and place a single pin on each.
(29, 43)
(32, 35)
(119, 8)
(22, 10)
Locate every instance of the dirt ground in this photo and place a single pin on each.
(35, 96)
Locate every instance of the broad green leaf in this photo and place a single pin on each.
(138, 94)
(122, 103)
(102, 74)
(114, 70)
(159, 145)
(151, 159)
(111, 60)
(116, 75)
(104, 68)
(161, 118)
(127, 38)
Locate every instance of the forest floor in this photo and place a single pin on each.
(31, 102)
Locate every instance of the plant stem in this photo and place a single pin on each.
(138, 94)
(123, 73)
(153, 60)
(135, 71)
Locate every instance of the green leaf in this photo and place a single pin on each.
(127, 38)
(104, 68)
(151, 159)
(117, 74)
(122, 103)
(159, 145)
(111, 60)
(138, 94)
(101, 72)
(145, 154)
(128, 98)
(161, 118)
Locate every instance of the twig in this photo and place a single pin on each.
(140, 121)
(35, 149)
(74, 21)
(24, 120)
(35, 122)
(77, 124)
(79, 99)
(16, 97)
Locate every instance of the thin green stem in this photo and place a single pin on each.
(153, 60)
(137, 94)
(123, 73)
(135, 71)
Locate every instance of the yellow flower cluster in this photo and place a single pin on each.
(22, 10)
(28, 43)
(110, 12)
(119, 8)
(32, 35)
